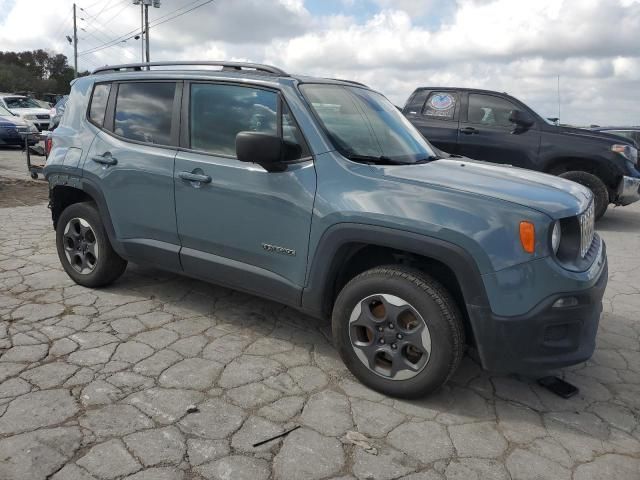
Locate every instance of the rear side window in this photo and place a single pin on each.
(144, 111)
(441, 105)
(219, 112)
(99, 103)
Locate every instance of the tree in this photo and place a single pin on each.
(37, 71)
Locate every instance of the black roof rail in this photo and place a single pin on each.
(236, 66)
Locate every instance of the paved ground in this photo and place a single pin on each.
(160, 377)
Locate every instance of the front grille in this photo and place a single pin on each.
(587, 229)
(42, 117)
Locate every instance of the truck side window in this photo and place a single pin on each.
(99, 103)
(489, 110)
(144, 110)
(219, 112)
(441, 105)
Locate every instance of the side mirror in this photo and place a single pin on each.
(261, 148)
(522, 120)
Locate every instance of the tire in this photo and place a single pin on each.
(597, 187)
(84, 248)
(424, 300)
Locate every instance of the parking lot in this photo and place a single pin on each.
(161, 377)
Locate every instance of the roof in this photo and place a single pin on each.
(463, 89)
(265, 74)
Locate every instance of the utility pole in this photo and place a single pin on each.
(144, 26)
(75, 43)
(558, 99)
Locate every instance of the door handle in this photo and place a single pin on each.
(469, 130)
(105, 159)
(194, 177)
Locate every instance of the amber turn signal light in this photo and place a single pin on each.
(528, 236)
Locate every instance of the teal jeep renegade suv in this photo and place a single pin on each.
(319, 194)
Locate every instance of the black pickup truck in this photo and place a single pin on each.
(496, 127)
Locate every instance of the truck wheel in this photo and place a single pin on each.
(398, 331)
(84, 248)
(593, 183)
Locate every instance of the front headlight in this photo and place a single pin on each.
(29, 117)
(556, 235)
(627, 151)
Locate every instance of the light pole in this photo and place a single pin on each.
(144, 21)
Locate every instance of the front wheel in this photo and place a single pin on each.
(597, 187)
(84, 248)
(398, 331)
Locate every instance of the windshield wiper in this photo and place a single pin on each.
(373, 160)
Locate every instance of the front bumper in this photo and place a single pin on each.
(628, 191)
(546, 337)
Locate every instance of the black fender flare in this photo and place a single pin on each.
(327, 261)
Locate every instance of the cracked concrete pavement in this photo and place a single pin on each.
(160, 377)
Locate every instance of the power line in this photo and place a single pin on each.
(155, 23)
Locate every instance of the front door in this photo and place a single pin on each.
(239, 224)
(487, 134)
(131, 159)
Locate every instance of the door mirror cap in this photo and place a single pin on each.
(521, 119)
(261, 148)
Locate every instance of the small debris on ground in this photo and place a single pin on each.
(360, 440)
(286, 432)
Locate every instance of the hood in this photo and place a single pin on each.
(549, 194)
(17, 121)
(583, 132)
(30, 111)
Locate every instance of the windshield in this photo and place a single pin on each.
(364, 125)
(4, 112)
(20, 102)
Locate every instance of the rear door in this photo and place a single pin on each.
(242, 225)
(435, 114)
(487, 134)
(131, 161)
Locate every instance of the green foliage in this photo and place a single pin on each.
(37, 71)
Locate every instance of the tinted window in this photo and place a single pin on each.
(441, 105)
(292, 134)
(489, 110)
(143, 112)
(362, 123)
(99, 103)
(219, 112)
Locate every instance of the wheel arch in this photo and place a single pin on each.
(608, 175)
(61, 196)
(346, 250)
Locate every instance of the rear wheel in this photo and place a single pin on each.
(84, 248)
(597, 187)
(398, 331)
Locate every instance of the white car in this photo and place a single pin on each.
(27, 109)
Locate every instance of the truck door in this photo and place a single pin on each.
(487, 134)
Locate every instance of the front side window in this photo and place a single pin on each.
(99, 103)
(219, 112)
(364, 126)
(441, 105)
(489, 110)
(144, 111)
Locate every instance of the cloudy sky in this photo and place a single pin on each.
(516, 46)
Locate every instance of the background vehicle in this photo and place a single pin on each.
(631, 133)
(28, 109)
(57, 111)
(13, 129)
(496, 127)
(319, 194)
